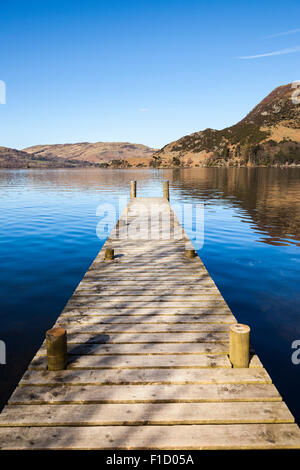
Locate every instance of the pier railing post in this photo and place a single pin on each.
(109, 254)
(166, 190)
(190, 253)
(132, 189)
(56, 345)
(239, 346)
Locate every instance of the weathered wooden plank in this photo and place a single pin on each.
(144, 294)
(121, 276)
(119, 304)
(153, 254)
(143, 414)
(88, 298)
(187, 437)
(137, 376)
(97, 289)
(206, 282)
(133, 265)
(151, 282)
(113, 270)
(124, 256)
(166, 251)
(150, 287)
(74, 317)
(145, 348)
(134, 328)
(139, 338)
(148, 271)
(64, 394)
(138, 362)
(157, 257)
(142, 309)
(148, 311)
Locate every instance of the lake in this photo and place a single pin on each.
(251, 249)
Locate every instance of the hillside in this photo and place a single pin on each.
(12, 158)
(103, 154)
(100, 154)
(268, 135)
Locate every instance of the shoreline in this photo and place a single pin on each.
(99, 167)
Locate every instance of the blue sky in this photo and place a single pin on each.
(140, 71)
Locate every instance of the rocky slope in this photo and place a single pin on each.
(268, 135)
(103, 154)
(12, 158)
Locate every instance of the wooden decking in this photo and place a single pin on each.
(148, 343)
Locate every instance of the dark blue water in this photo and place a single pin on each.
(251, 248)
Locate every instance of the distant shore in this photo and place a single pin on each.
(36, 165)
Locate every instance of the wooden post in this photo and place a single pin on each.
(109, 254)
(166, 190)
(56, 344)
(239, 345)
(190, 253)
(132, 189)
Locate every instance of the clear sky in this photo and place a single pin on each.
(139, 71)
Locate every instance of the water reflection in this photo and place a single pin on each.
(269, 197)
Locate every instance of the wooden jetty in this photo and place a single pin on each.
(148, 357)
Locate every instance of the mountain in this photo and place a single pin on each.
(268, 135)
(100, 154)
(103, 154)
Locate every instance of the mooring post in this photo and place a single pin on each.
(56, 344)
(109, 254)
(166, 190)
(132, 189)
(190, 253)
(239, 347)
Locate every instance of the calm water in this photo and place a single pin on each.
(252, 250)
